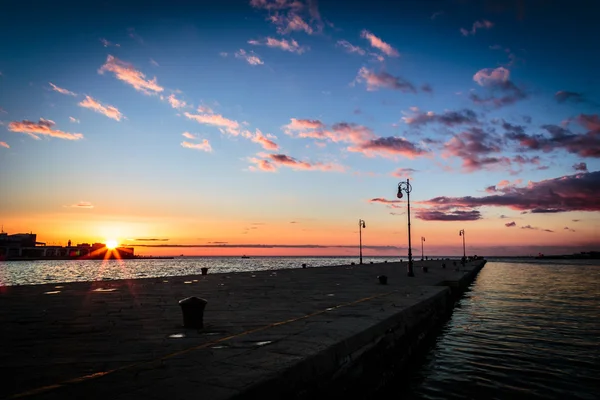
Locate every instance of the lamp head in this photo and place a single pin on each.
(363, 224)
(399, 192)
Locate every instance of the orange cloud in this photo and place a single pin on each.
(251, 59)
(204, 146)
(266, 143)
(82, 204)
(229, 126)
(5, 145)
(61, 90)
(128, 74)
(274, 161)
(43, 127)
(188, 135)
(176, 103)
(109, 111)
(379, 44)
(292, 46)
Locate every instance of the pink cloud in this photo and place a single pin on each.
(5, 145)
(229, 126)
(266, 143)
(287, 45)
(303, 124)
(262, 165)
(82, 204)
(109, 111)
(61, 90)
(279, 160)
(375, 80)
(510, 224)
(483, 24)
(590, 122)
(74, 120)
(384, 201)
(491, 76)
(204, 146)
(276, 4)
(128, 74)
(106, 43)
(379, 44)
(350, 48)
(447, 118)
(43, 127)
(188, 135)
(176, 103)
(251, 59)
(389, 147)
(339, 132)
(403, 173)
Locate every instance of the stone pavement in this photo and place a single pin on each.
(125, 339)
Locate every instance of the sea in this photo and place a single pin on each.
(525, 329)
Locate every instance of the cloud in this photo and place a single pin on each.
(128, 74)
(265, 142)
(135, 36)
(426, 88)
(436, 14)
(350, 48)
(251, 59)
(291, 15)
(474, 146)
(389, 147)
(209, 118)
(74, 120)
(150, 240)
(204, 146)
(5, 145)
(379, 44)
(483, 24)
(566, 228)
(510, 224)
(43, 127)
(106, 43)
(376, 80)
(456, 215)
(559, 138)
(3, 111)
(338, 132)
(590, 122)
(579, 192)
(272, 162)
(176, 103)
(535, 228)
(403, 172)
(153, 62)
(109, 111)
(580, 167)
(497, 80)
(563, 96)
(61, 90)
(188, 135)
(287, 45)
(384, 201)
(82, 204)
(447, 118)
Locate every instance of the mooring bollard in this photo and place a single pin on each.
(193, 312)
(425, 269)
(303, 265)
(204, 270)
(443, 265)
(371, 262)
(353, 263)
(382, 279)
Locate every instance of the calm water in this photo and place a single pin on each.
(524, 331)
(53, 271)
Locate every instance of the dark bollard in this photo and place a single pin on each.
(425, 269)
(443, 265)
(193, 312)
(371, 262)
(352, 263)
(303, 265)
(385, 261)
(204, 270)
(382, 279)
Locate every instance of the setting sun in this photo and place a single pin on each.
(111, 244)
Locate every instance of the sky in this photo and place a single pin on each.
(270, 127)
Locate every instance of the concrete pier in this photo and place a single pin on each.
(267, 334)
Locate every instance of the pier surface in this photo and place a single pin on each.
(266, 333)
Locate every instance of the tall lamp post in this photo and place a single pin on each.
(462, 233)
(361, 224)
(422, 253)
(405, 187)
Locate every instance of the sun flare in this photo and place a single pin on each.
(111, 244)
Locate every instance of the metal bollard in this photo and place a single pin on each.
(193, 312)
(425, 269)
(204, 270)
(382, 279)
(443, 265)
(303, 265)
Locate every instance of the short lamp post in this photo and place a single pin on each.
(422, 253)
(406, 188)
(361, 225)
(462, 233)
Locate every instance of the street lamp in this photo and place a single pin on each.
(361, 224)
(462, 233)
(422, 253)
(405, 187)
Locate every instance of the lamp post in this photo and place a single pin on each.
(361, 224)
(422, 253)
(462, 233)
(405, 187)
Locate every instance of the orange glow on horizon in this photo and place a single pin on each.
(112, 244)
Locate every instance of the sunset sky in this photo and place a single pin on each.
(279, 123)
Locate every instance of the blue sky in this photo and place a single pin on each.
(511, 90)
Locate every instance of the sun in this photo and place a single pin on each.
(111, 244)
